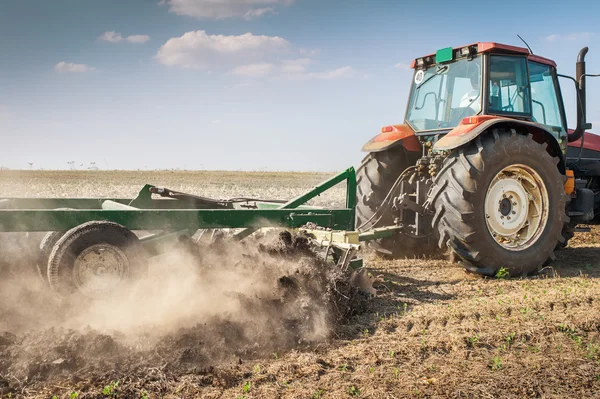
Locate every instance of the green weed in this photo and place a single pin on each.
(502, 273)
(496, 363)
(318, 394)
(111, 389)
(246, 387)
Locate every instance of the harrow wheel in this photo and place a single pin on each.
(46, 246)
(500, 203)
(95, 259)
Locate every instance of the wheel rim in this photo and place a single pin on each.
(516, 207)
(99, 269)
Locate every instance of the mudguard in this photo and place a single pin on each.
(391, 136)
(470, 128)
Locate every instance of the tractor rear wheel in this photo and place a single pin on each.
(95, 259)
(500, 203)
(375, 177)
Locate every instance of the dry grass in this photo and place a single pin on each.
(434, 331)
(264, 185)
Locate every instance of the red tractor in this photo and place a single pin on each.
(484, 165)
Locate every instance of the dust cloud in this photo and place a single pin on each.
(196, 308)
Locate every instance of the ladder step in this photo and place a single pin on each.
(580, 230)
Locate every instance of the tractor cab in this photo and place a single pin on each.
(484, 79)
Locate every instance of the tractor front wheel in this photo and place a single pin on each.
(500, 203)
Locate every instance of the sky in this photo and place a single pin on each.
(242, 84)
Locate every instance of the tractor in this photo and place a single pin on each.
(484, 166)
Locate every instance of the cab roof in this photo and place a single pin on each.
(498, 48)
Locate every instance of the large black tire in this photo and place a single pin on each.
(46, 247)
(567, 235)
(375, 177)
(122, 247)
(459, 196)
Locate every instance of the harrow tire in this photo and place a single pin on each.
(113, 241)
(46, 247)
(375, 177)
(460, 193)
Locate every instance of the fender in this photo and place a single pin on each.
(391, 136)
(472, 127)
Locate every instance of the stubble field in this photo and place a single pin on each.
(432, 331)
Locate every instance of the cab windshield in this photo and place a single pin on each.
(442, 95)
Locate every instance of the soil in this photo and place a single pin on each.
(432, 331)
(287, 317)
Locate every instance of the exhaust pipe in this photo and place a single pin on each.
(581, 104)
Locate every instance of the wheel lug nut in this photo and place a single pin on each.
(514, 213)
(508, 217)
(514, 204)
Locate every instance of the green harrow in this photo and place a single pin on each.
(90, 247)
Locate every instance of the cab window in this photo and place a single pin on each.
(544, 97)
(509, 88)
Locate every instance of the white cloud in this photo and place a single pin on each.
(295, 66)
(254, 70)
(299, 69)
(343, 72)
(197, 49)
(258, 12)
(403, 66)
(220, 9)
(568, 36)
(71, 67)
(114, 37)
(291, 70)
(246, 56)
(111, 36)
(138, 38)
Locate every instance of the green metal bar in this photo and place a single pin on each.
(53, 203)
(351, 195)
(143, 199)
(356, 264)
(49, 220)
(321, 188)
(274, 205)
(382, 232)
(157, 244)
(87, 203)
(348, 175)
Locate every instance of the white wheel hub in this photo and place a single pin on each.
(516, 207)
(99, 268)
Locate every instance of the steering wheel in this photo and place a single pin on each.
(508, 108)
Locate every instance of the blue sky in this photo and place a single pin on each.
(241, 84)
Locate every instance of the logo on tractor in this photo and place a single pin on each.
(419, 76)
